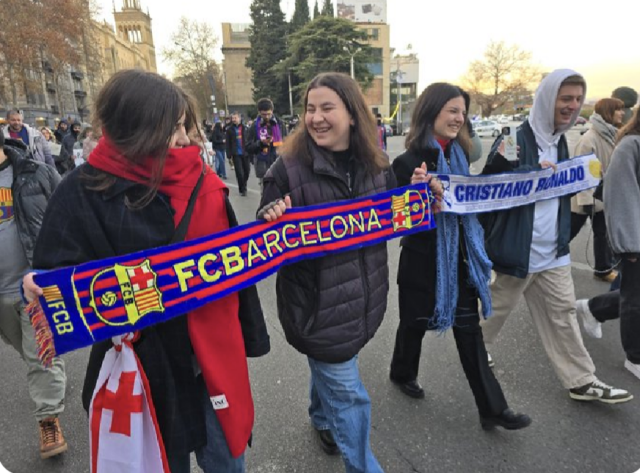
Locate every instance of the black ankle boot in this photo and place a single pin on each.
(327, 442)
(507, 420)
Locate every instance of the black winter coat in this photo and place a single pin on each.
(329, 307)
(263, 162)
(232, 141)
(33, 186)
(83, 225)
(417, 266)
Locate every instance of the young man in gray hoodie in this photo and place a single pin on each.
(529, 245)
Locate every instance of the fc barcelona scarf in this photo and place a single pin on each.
(98, 300)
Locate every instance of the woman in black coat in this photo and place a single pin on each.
(444, 273)
(115, 205)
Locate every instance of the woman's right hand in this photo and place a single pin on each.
(273, 211)
(31, 290)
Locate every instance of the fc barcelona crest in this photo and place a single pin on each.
(137, 296)
(408, 210)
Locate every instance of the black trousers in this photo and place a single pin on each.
(630, 310)
(242, 169)
(601, 251)
(486, 390)
(605, 306)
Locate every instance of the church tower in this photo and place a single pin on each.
(134, 25)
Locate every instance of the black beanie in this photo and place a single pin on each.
(627, 95)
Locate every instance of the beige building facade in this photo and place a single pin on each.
(237, 76)
(128, 44)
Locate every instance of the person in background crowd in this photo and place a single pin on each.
(65, 162)
(630, 99)
(264, 138)
(25, 189)
(600, 140)
(89, 142)
(130, 196)
(382, 133)
(218, 141)
(47, 134)
(324, 303)
(227, 124)
(37, 145)
(61, 131)
(441, 278)
(529, 245)
(236, 137)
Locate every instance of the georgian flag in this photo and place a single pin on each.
(125, 437)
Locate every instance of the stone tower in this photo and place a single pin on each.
(134, 25)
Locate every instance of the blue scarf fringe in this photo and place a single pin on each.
(448, 249)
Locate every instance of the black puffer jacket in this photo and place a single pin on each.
(33, 185)
(329, 307)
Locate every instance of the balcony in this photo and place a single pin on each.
(46, 66)
(55, 109)
(51, 88)
(80, 94)
(77, 75)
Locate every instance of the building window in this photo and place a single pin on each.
(375, 67)
(374, 34)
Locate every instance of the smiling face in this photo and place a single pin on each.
(618, 116)
(568, 102)
(450, 119)
(327, 119)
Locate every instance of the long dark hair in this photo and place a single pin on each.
(427, 108)
(363, 135)
(632, 127)
(138, 111)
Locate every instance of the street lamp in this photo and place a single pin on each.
(352, 54)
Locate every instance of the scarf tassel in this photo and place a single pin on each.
(44, 336)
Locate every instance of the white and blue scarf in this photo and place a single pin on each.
(448, 248)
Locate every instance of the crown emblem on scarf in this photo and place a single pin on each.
(408, 210)
(137, 294)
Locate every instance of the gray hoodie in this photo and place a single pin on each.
(622, 197)
(542, 114)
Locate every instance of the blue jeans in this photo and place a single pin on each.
(215, 456)
(220, 169)
(340, 403)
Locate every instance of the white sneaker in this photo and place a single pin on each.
(598, 391)
(635, 369)
(490, 360)
(591, 326)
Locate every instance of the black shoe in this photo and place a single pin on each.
(507, 420)
(410, 388)
(327, 443)
(243, 193)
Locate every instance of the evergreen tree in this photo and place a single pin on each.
(268, 38)
(316, 11)
(319, 47)
(300, 16)
(327, 8)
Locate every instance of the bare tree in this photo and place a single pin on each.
(506, 74)
(191, 55)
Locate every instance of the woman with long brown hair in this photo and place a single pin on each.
(444, 274)
(131, 195)
(331, 306)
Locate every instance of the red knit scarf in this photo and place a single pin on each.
(214, 329)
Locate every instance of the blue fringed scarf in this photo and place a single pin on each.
(449, 247)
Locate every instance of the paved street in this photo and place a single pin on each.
(438, 434)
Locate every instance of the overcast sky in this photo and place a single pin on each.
(448, 35)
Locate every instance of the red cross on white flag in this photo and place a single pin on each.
(124, 430)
